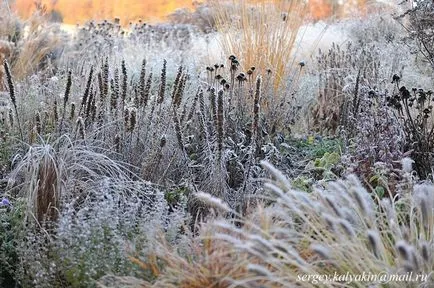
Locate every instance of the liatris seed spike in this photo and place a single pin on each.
(12, 95)
(86, 90)
(38, 123)
(72, 112)
(176, 83)
(124, 82)
(133, 119)
(10, 83)
(142, 83)
(162, 89)
(147, 90)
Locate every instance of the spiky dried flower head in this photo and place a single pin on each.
(68, 89)
(162, 88)
(72, 112)
(163, 141)
(38, 122)
(133, 119)
(10, 82)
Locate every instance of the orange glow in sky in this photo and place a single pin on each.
(80, 11)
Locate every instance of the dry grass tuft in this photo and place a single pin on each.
(262, 34)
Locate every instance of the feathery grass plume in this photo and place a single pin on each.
(213, 201)
(124, 82)
(142, 84)
(321, 251)
(162, 88)
(12, 95)
(220, 123)
(66, 99)
(374, 243)
(86, 91)
(425, 252)
(38, 123)
(72, 112)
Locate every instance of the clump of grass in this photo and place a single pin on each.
(261, 34)
(324, 232)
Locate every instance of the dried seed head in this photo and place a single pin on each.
(162, 89)
(68, 89)
(117, 142)
(87, 89)
(10, 83)
(126, 117)
(124, 81)
(163, 141)
(425, 251)
(374, 242)
(403, 250)
(346, 227)
(55, 112)
(38, 123)
(332, 204)
(11, 117)
(72, 112)
(133, 120)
